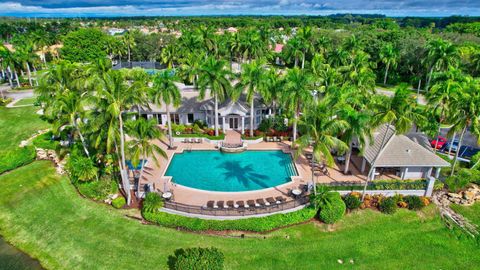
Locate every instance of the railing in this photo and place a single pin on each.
(232, 145)
(145, 65)
(241, 211)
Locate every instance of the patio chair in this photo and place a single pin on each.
(231, 204)
(271, 200)
(210, 204)
(280, 199)
(241, 204)
(198, 140)
(221, 204)
(260, 202)
(185, 140)
(251, 203)
(309, 156)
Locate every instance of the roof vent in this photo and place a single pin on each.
(408, 150)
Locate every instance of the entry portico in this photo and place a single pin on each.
(233, 116)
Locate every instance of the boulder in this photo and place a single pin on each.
(469, 195)
(454, 195)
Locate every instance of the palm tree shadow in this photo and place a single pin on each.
(242, 174)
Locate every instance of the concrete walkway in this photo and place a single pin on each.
(8, 93)
(233, 137)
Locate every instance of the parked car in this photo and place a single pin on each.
(441, 142)
(454, 145)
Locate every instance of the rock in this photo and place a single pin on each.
(114, 196)
(340, 261)
(454, 195)
(351, 261)
(469, 195)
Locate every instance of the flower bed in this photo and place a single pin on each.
(387, 185)
(254, 224)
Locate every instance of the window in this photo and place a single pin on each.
(175, 118)
(190, 118)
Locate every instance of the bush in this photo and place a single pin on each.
(98, 190)
(81, 168)
(119, 202)
(178, 129)
(388, 205)
(352, 202)
(196, 259)
(199, 123)
(197, 129)
(332, 212)
(459, 181)
(45, 141)
(153, 201)
(414, 202)
(254, 224)
(5, 101)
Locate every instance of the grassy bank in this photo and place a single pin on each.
(470, 212)
(17, 124)
(43, 215)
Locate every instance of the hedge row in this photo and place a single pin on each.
(390, 185)
(198, 135)
(254, 224)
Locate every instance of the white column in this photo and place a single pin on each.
(437, 172)
(372, 176)
(429, 172)
(243, 125)
(223, 123)
(405, 171)
(363, 165)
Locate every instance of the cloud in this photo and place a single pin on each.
(69, 8)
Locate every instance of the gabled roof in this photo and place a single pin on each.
(400, 151)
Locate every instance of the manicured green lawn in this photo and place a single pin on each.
(42, 214)
(26, 101)
(470, 212)
(17, 124)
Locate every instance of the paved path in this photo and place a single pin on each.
(233, 137)
(6, 91)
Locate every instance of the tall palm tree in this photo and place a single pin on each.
(142, 132)
(129, 41)
(169, 55)
(189, 67)
(297, 93)
(398, 111)
(274, 83)
(214, 77)
(441, 94)
(306, 38)
(165, 91)
(252, 80)
(320, 129)
(115, 96)
(466, 114)
(440, 55)
(294, 50)
(389, 56)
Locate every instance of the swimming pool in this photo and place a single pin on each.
(217, 171)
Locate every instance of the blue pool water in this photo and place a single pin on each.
(217, 171)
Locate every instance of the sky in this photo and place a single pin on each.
(99, 8)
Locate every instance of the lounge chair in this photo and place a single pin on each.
(280, 199)
(221, 204)
(251, 203)
(309, 156)
(210, 204)
(241, 204)
(260, 202)
(231, 204)
(184, 140)
(198, 140)
(271, 200)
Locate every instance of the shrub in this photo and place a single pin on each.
(254, 224)
(81, 168)
(46, 141)
(332, 212)
(5, 101)
(98, 190)
(266, 124)
(153, 201)
(199, 123)
(414, 202)
(196, 259)
(352, 202)
(459, 181)
(388, 205)
(197, 129)
(119, 202)
(176, 129)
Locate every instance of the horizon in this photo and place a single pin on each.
(187, 8)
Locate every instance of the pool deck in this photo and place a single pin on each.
(154, 174)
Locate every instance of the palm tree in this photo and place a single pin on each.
(129, 41)
(305, 35)
(388, 56)
(214, 76)
(252, 79)
(441, 94)
(142, 132)
(165, 91)
(168, 55)
(440, 55)
(294, 50)
(274, 83)
(320, 129)
(114, 97)
(398, 111)
(189, 67)
(466, 114)
(297, 93)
